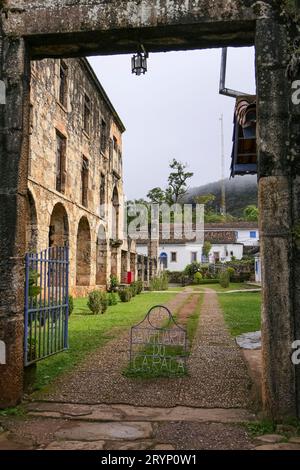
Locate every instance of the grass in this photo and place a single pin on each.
(17, 411)
(168, 359)
(242, 311)
(232, 286)
(89, 332)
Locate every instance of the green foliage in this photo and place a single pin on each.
(259, 428)
(125, 294)
(112, 298)
(197, 278)
(191, 269)
(224, 279)
(98, 302)
(114, 282)
(133, 287)
(206, 248)
(159, 282)
(177, 185)
(231, 272)
(250, 213)
(71, 304)
(34, 289)
(139, 286)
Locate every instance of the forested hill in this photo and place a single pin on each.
(241, 191)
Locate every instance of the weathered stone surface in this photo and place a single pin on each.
(164, 447)
(75, 445)
(280, 446)
(135, 445)
(295, 440)
(270, 438)
(139, 413)
(109, 431)
(250, 340)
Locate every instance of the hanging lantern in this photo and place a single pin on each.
(139, 62)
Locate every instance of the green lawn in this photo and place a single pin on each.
(89, 332)
(242, 311)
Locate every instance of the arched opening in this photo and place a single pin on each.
(83, 253)
(31, 224)
(59, 226)
(163, 258)
(115, 214)
(101, 260)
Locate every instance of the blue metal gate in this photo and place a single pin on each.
(46, 303)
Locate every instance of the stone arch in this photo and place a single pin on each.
(83, 253)
(101, 257)
(115, 214)
(31, 223)
(59, 226)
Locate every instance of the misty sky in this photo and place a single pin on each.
(173, 112)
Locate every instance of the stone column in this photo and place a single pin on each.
(279, 204)
(14, 149)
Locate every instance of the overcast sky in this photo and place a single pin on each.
(173, 112)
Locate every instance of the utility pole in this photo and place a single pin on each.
(223, 191)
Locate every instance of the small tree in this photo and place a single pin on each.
(206, 249)
(191, 269)
(98, 302)
(197, 278)
(224, 279)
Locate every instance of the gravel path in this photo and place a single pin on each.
(218, 375)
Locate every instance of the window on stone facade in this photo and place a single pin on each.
(63, 83)
(174, 257)
(103, 135)
(87, 115)
(102, 196)
(194, 256)
(84, 181)
(61, 145)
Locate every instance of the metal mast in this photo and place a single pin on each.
(223, 191)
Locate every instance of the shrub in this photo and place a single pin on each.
(98, 302)
(197, 278)
(159, 282)
(139, 286)
(112, 298)
(192, 268)
(113, 283)
(133, 287)
(231, 272)
(224, 279)
(71, 304)
(125, 294)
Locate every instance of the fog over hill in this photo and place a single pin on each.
(240, 192)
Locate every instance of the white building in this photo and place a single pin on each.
(227, 241)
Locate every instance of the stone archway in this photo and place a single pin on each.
(101, 257)
(31, 224)
(83, 253)
(40, 30)
(59, 226)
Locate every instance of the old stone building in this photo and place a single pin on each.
(75, 187)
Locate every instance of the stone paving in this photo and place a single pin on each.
(96, 408)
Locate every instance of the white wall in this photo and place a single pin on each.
(257, 269)
(243, 236)
(184, 253)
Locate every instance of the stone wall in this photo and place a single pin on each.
(60, 216)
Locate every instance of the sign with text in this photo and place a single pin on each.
(158, 345)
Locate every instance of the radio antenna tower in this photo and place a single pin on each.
(223, 190)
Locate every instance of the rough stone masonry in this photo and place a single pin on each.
(31, 29)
